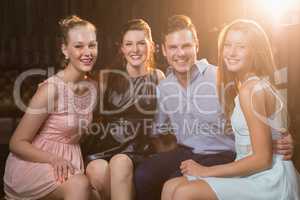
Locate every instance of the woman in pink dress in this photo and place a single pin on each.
(45, 160)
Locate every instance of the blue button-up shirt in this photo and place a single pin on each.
(194, 113)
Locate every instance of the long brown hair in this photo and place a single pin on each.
(263, 64)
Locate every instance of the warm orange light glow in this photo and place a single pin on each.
(277, 9)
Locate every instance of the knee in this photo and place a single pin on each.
(121, 166)
(79, 183)
(182, 192)
(170, 186)
(121, 161)
(97, 170)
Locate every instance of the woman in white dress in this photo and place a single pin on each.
(252, 101)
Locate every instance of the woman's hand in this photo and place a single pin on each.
(192, 168)
(61, 168)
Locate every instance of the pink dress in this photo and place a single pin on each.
(59, 135)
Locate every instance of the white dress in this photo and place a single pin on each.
(281, 182)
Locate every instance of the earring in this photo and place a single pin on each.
(66, 61)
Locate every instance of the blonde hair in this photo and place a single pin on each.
(70, 22)
(66, 25)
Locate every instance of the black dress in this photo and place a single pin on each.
(127, 115)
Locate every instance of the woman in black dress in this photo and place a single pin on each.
(127, 108)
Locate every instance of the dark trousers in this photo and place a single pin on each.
(151, 174)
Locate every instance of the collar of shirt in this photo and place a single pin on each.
(198, 68)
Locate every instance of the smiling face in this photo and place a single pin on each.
(237, 52)
(136, 48)
(180, 50)
(81, 48)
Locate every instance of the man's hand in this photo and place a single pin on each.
(284, 146)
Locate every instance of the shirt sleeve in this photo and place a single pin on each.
(161, 121)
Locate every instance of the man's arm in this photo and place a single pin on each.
(284, 145)
(162, 137)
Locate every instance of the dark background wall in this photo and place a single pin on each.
(29, 39)
(29, 27)
(29, 34)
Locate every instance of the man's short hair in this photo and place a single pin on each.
(178, 23)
